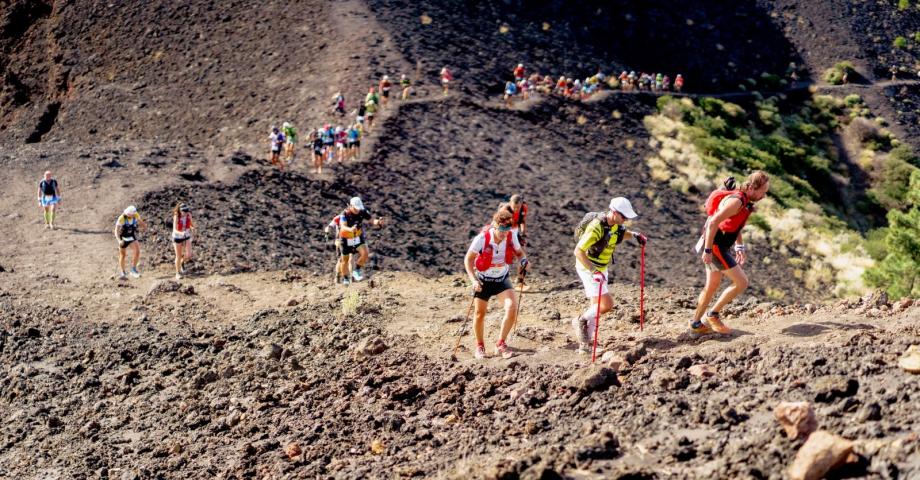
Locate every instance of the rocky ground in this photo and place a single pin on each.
(255, 366)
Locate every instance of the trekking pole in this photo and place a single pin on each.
(642, 288)
(469, 312)
(597, 320)
(517, 315)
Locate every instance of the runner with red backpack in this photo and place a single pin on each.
(728, 209)
(518, 209)
(488, 265)
(598, 235)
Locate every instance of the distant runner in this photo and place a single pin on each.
(678, 83)
(518, 73)
(518, 209)
(276, 138)
(338, 103)
(370, 106)
(319, 153)
(510, 91)
(728, 209)
(126, 229)
(598, 234)
(351, 236)
(290, 138)
(446, 78)
(488, 264)
(49, 196)
(182, 237)
(384, 87)
(406, 86)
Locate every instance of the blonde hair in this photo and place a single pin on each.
(755, 181)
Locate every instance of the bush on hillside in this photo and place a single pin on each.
(899, 272)
(903, 5)
(834, 75)
(900, 42)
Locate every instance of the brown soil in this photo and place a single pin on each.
(149, 103)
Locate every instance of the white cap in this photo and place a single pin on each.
(130, 210)
(622, 206)
(386, 77)
(356, 203)
(286, 125)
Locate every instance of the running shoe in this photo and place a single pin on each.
(581, 329)
(135, 274)
(716, 323)
(480, 352)
(357, 275)
(583, 348)
(346, 281)
(699, 328)
(501, 349)
(178, 276)
(122, 275)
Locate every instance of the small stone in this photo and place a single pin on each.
(377, 447)
(833, 387)
(599, 446)
(613, 361)
(702, 370)
(869, 413)
(910, 361)
(797, 418)
(369, 347)
(664, 377)
(821, 453)
(272, 351)
(292, 450)
(902, 304)
(451, 419)
(293, 302)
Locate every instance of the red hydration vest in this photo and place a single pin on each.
(484, 259)
(736, 222)
(183, 222)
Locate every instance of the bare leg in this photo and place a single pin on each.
(509, 299)
(739, 284)
(713, 279)
(480, 320)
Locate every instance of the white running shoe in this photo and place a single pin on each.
(134, 273)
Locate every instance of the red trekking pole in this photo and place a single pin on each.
(597, 321)
(642, 289)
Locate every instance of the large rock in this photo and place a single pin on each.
(702, 370)
(822, 453)
(910, 361)
(797, 418)
(593, 379)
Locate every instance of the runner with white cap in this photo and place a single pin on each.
(126, 234)
(351, 236)
(598, 235)
(49, 195)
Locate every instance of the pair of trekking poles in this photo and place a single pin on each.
(522, 275)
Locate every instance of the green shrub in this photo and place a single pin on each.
(899, 271)
(833, 77)
(852, 100)
(891, 188)
(917, 37)
(900, 42)
(758, 220)
(875, 243)
(903, 4)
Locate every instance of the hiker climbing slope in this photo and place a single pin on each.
(488, 265)
(126, 230)
(728, 209)
(350, 225)
(49, 196)
(598, 235)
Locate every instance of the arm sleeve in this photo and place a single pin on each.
(515, 242)
(591, 235)
(477, 244)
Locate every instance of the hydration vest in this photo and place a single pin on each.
(484, 259)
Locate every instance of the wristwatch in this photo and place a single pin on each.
(707, 250)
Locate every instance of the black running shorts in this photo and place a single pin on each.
(492, 287)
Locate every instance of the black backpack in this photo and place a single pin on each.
(601, 244)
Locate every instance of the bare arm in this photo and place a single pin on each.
(470, 270)
(582, 257)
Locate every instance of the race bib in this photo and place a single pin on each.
(351, 242)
